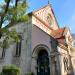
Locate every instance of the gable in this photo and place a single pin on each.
(46, 14)
(68, 36)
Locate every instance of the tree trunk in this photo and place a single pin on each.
(6, 9)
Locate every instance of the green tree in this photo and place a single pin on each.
(12, 11)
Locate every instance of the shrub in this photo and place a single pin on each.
(10, 70)
(30, 73)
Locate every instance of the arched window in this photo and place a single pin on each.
(18, 47)
(49, 19)
(3, 49)
(3, 52)
(66, 66)
(43, 63)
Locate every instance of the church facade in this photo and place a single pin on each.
(44, 48)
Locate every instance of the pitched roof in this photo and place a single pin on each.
(42, 8)
(58, 33)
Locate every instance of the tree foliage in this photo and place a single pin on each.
(12, 11)
(30, 73)
(8, 38)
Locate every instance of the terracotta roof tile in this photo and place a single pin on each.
(62, 41)
(58, 33)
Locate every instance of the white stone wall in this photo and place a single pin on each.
(65, 54)
(72, 53)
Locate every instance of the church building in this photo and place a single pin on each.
(44, 47)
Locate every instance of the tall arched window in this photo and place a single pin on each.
(66, 66)
(3, 52)
(49, 19)
(18, 47)
(4, 49)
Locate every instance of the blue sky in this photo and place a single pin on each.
(64, 11)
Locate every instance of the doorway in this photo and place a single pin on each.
(43, 63)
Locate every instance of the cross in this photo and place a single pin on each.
(48, 1)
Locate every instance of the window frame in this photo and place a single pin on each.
(18, 47)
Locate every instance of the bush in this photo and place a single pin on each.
(10, 70)
(30, 73)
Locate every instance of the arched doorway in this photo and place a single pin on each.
(43, 63)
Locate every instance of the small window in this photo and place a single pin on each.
(18, 47)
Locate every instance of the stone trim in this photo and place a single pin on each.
(41, 21)
(63, 46)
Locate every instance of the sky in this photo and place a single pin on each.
(64, 11)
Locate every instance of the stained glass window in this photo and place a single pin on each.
(49, 19)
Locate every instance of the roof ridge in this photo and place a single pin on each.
(40, 8)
